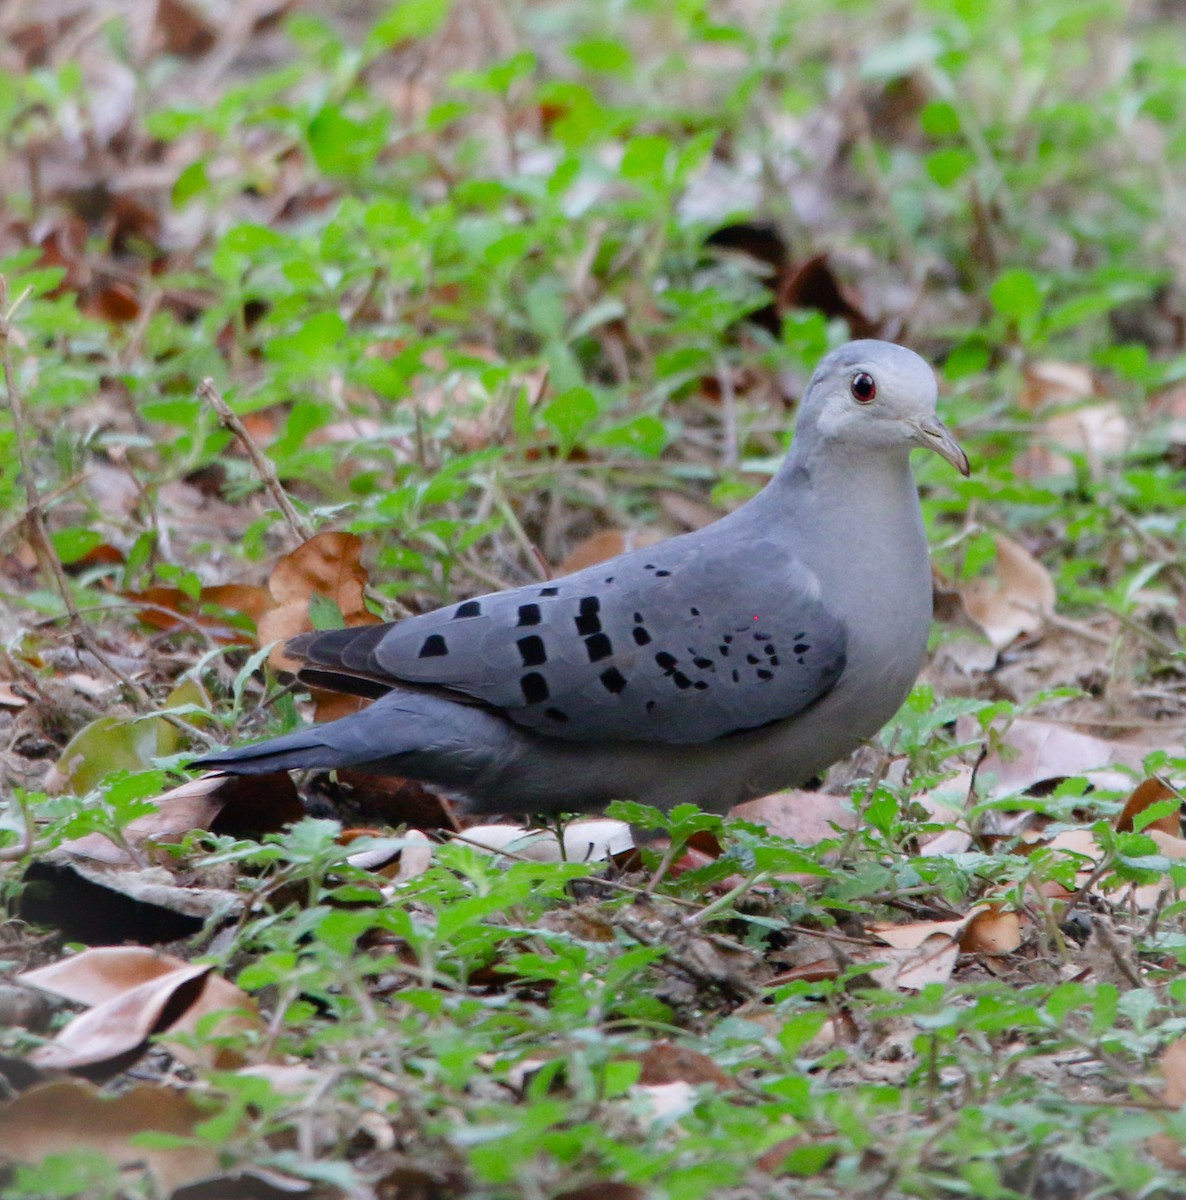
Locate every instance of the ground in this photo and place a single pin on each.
(324, 314)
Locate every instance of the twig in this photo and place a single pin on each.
(732, 449)
(301, 529)
(710, 910)
(84, 639)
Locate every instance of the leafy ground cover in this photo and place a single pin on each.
(323, 314)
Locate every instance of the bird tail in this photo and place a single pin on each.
(401, 733)
(298, 750)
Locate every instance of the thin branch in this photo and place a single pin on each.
(301, 529)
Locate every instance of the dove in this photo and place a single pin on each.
(711, 668)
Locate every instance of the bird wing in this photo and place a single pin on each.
(676, 643)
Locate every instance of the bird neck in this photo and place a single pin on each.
(860, 501)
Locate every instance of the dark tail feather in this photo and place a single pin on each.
(414, 733)
(299, 750)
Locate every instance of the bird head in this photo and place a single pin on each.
(870, 395)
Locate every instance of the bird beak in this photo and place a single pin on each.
(934, 435)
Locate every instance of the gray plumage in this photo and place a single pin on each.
(710, 668)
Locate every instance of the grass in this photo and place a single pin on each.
(449, 265)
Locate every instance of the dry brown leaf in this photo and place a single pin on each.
(1044, 752)
(669, 1062)
(931, 961)
(913, 935)
(68, 1115)
(119, 1025)
(1015, 600)
(1147, 793)
(605, 544)
(609, 1190)
(170, 608)
(1164, 1147)
(799, 815)
(1050, 382)
(238, 1013)
(101, 974)
(237, 805)
(993, 930)
(329, 565)
(129, 990)
(95, 902)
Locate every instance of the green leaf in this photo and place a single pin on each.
(571, 413)
(945, 167)
(1017, 294)
(72, 544)
(344, 145)
(644, 434)
(602, 54)
(406, 20)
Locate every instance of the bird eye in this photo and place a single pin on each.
(863, 387)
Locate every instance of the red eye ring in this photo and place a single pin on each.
(863, 387)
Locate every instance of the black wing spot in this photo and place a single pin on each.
(598, 647)
(752, 659)
(471, 608)
(638, 618)
(556, 714)
(434, 646)
(736, 677)
(651, 706)
(662, 574)
(764, 674)
(774, 660)
(702, 662)
(694, 611)
(529, 614)
(666, 661)
(588, 621)
(532, 650)
(700, 685)
(724, 650)
(648, 567)
(549, 591)
(640, 635)
(609, 579)
(680, 680)
(770, 651)
(801, 647)
(727, 638)
(761, 637)
(613, 680)
(534, 687)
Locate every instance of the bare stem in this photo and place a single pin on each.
(301, 529)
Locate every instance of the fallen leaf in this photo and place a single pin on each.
(1035, 752)
(65, 1116)
(172, 609)
(607, 543)
(237, 805)
(994, 930)
(1166, 1148)
(328, 565)
(118, 1026)
(1049, 382)
(1016, 599)
(799, 815)
(1147, 793)
(669, 1062)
